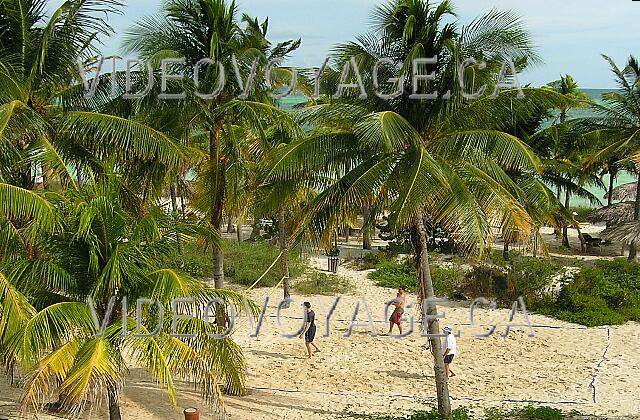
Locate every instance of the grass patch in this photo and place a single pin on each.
(244, 262)
(607, 293)
(393, 274)
(317, 283)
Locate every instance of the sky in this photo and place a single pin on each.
(570, 34)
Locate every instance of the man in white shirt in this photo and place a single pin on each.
(449, 347)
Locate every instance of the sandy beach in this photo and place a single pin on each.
(380, 374)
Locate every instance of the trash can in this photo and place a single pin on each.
(191, 414)
(333, 264)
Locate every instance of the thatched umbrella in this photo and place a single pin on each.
(623, 192)
(626, 232)
(614, 214)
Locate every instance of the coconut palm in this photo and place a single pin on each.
(284, 198)
(46, 123)
(445, 160)
(568, 87)
(94, 244)
(619, 124)
(197, 29)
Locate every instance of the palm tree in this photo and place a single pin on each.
(619, 124)
(444, 160)
(567, 145)
(94, 244)
(568, 87)
(46, 124)
(197, 29)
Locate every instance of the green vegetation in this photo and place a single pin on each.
(528, 277)
(457, 414)
(462, 413)
(529, 413)
(91, 246)
(607, 293)
(317, 283)
(369, 260)
(393, 274)
(245, 262)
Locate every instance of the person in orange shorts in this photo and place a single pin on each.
(396, 316)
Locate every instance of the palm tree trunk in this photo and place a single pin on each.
(230, 225)
(612, 177)
(636, 217)
(366, 233)
(505, 250)
(183, 203)
(565, 228)
(216, 209)
(284, 258)
(239, 229)
(114, 404)
(176, 211)
(255, 230)
(426, 291)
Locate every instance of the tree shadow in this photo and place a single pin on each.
(405, 375)
(271, 354)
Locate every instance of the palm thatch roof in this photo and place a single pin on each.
(626, 232)
(614, 214)
(623, 192)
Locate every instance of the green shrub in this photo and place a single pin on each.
(447, 281)
(526, 413)
(463, 413)
(608, 293)
(526, 277)
(369, 260)
(460, 413)
(245, 262)
(317, 283)
(393, 274)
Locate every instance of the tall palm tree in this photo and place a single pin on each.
(568, 87)
(197, 29)
(445, 160)
(566, 144)
(93, 243)
(619, 124)
(46, 123)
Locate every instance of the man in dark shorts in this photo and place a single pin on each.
(449, 349)
(396, 316)
(309, 331)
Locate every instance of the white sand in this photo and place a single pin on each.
(365, 374)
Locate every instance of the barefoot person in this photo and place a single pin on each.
(449, 348)
(396, 316)
(309, 329)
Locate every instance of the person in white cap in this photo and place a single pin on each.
(449, 348)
